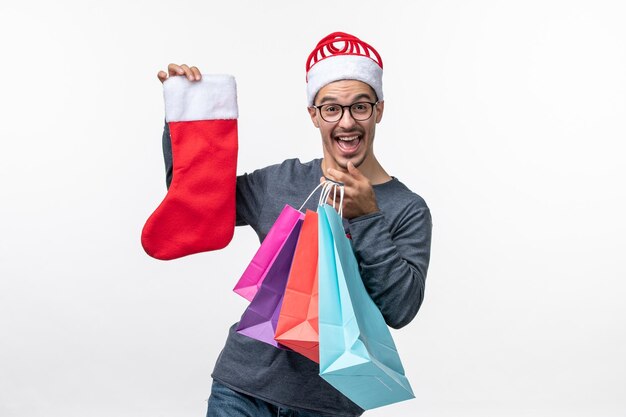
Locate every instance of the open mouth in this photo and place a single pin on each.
(348, 144)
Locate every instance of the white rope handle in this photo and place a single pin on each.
(328, 186)
(326, 190)
(341, 201)
(311, 195)
(331, 187)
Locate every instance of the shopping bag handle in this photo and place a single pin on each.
(328, 186)
(310, 195)
(331, 186)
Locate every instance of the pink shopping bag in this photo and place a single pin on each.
(252, 278)
(260, 319)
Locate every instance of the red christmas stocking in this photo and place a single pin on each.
(198, 212)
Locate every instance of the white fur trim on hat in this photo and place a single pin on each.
(344, 67)
(213, 97)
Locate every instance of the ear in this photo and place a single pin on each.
(380, 107)
(313, 114)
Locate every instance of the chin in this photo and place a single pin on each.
(356, 160)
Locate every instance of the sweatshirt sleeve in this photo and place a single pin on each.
(250, 187)
(251, 190)
(167, 155)
(394, 260)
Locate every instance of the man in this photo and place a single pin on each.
(390, 229)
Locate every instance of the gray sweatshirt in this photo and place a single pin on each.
(392, 247)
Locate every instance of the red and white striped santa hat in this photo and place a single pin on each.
(341, 56)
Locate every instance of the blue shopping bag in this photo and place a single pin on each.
(357, 353)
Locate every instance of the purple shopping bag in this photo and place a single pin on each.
(260, 319)
(257, 270)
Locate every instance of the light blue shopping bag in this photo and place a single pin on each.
(357, 353)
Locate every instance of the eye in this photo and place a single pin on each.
(360, 107)
(331, 110)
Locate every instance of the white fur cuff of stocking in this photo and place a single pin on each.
(214, 97)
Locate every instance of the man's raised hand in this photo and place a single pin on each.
(359, 198)
(192, 74)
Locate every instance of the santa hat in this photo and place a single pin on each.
(340, 56)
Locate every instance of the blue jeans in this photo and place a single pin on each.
(224, 402)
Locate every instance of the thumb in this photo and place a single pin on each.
(354, 171)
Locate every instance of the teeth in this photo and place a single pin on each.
(348, 138)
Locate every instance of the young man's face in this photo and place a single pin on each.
(347, 139)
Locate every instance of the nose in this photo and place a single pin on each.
(346, 121)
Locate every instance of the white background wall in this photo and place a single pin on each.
(506, 116)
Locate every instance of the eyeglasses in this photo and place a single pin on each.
(359, 111)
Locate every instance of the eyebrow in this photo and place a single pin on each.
(334, 99)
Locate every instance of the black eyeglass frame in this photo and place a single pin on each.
(318, 108)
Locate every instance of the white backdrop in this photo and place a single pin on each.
(508, 117)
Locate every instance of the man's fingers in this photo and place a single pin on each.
(329, 174)
(175, 69)
(188, 72)
(333, 200)
(162, 76)
(354, 171)
(336, 175)
(192, 74)
(196, 73)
